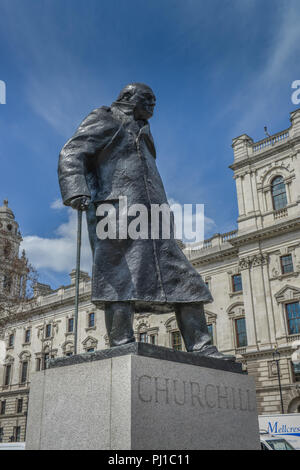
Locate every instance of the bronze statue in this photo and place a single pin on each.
(112, 156)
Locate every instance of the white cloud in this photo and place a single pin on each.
(57, 204)
(59, 252)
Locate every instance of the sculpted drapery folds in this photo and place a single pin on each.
(111, 156)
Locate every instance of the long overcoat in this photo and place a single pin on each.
(112, 155)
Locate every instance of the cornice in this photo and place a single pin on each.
(266, 232)
(41, 309)
(263, 155)
(215, 256)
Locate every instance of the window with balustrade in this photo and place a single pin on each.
(293, 317)
(278, 191)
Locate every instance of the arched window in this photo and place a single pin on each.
(278, 193)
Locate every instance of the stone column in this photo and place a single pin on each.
(245, 265)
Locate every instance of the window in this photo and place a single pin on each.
(176, 340)
(7, 374)
(7, 282)
(70, 325)
(48, 330)
(45, 361)
(91, 320)
(296, 372)
(211, 332)
(237, 283)
(152, 339)
(241, 333)
(293, 317)
(27, 336)
(3, 406)
(11, 340)
(17, 433)
(143, 338)
(24, 372)
(20, 405)
(286, 264)
(6, 250)
(69, 354)
(38, 364)
(1, 434)
(90, 350)
(278, 193)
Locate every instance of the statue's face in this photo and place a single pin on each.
(144, 100)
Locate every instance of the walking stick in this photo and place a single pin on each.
(79, 230)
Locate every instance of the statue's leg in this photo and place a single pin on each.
(119, 321)
(192, 324)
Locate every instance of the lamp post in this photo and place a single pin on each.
(276, 358)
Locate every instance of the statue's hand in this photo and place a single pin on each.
(80, 203)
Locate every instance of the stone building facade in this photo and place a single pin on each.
(253, 273)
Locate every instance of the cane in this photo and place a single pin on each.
(79, 230)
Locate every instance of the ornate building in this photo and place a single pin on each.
(12, 268)
(13, 277)
(253, 273)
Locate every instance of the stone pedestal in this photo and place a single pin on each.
(140, 396)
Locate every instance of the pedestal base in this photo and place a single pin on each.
(140, 396)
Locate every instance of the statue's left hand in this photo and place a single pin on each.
(80, 203)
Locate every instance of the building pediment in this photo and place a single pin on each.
(288, 293)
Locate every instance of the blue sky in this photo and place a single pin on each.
(219, 68)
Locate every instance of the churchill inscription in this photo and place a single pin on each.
(167, 391)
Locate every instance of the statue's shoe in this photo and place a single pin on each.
(211, 351)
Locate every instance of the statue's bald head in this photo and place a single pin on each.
(141, 97)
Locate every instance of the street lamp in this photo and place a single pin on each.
(276, 358)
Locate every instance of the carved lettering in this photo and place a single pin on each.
(146, 396)
(183, 400)
(209, 390)
(222, 397)
(164, 390)
(195, 392)
(169, 391)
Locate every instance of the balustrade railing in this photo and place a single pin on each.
(270, 141)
